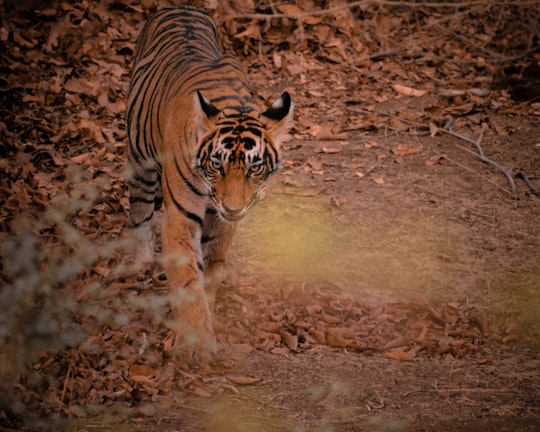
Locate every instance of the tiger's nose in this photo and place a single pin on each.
(233, 214)
(233, 211)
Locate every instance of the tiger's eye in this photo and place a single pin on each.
(216, 165)
(255, 170)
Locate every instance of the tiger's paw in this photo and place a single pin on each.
(193, 357)
(195, 351)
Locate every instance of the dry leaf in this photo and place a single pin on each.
(277, 58)
(82, 158)
(372, 144)
(340, 337)
(243, 380)
(242, 348)
(316, 93)
(143, 379)
(290, 9)
(398, 355)
(335, 202)
(434, 160)
(313, 309)
(408, 91)
(168, 342)
(300, 296)
(433, 129)
(280, 351)
(325, 132)
(312, 20)
(102, 270)
(328, 150)
(330, 319)
(316, 163)
(405, 150)
(398, 125)
(290, 340)
(143, 370)
(308, 191)
(200, 391)
(77, 411)
(270, 326)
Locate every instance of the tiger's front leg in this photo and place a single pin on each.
(216, 239)
(194, 340)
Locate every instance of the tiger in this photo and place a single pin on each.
(200, 147)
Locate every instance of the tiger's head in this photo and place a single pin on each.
(237, 151)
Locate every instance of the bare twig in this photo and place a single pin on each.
(509, 192)
(64, 388)
(400, 3)
(522, 175)
(482, 155)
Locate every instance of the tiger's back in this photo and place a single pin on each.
(200, 145)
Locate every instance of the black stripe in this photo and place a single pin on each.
(135, 199)
(191, 187)
(182, 210)
(206, 238)
(190, 281)
(141, 190)
(271, 154)
(146, 219)
(206, 148)
(229, 97)
(254, 130)
(157, 202)
(146, 182)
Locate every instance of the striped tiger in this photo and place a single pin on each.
(199, 145)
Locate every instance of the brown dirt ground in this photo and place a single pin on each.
(352, 219)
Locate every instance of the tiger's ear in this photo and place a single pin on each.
(209, 109)
(205, 113)
(279, 116)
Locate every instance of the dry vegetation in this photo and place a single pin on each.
(388, 282)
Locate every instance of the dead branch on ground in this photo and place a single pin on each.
(466, 168)
(481, 155)
(400, 3)
(522, 175)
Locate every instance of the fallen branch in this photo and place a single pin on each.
(399, 3)
(482, 155)
(522, 175)
(443, 156)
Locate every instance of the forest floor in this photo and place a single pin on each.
(389, 281)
